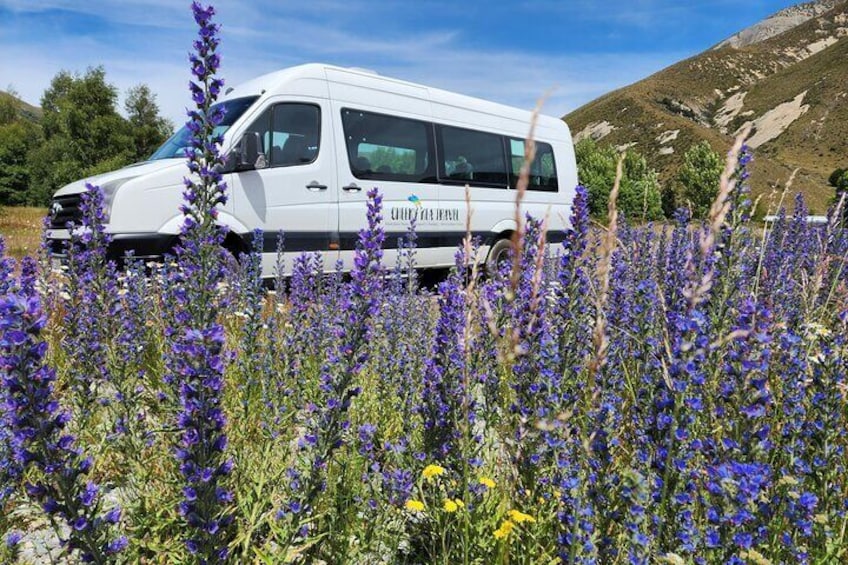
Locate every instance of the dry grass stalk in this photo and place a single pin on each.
(719, 209)
(521, 190)
(768, 230)
(470, 292)
(600, 341)
(467, 243)
(517, 239)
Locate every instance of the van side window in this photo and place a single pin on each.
(295, 134)
(543, 175)
(472, 157)
(388, 148)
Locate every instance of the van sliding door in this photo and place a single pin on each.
(396, 154)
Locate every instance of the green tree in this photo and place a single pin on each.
(639, 192)
(839, 180)
(698, 178)
(83, 132)
(18, 136)
(147, 128)
(840, 183)
(8, 108)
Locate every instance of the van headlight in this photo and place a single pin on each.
(110, 189)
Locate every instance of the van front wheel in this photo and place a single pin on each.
(500, 253)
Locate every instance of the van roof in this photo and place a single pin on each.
(274, 81)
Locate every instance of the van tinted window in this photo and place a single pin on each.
(471, 157)
(290, 133)
(543, 176)
(295, 134)
(388, 148)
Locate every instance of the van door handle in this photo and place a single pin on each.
(314, 186)
(352, 187)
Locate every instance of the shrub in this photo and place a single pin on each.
(698, 178)
(639, 198)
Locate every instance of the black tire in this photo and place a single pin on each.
(236, 246)
(498, 253)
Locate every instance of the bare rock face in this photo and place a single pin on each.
(595, 131)
(774, 122)
(778, 23)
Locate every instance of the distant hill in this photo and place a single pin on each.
(786, 75)
(27, 111)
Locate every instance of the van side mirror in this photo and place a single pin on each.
(249, 154)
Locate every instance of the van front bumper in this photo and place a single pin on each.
(144, 246)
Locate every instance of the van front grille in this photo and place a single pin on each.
(65, 209)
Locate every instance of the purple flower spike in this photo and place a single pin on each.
(197, 359)
(37, 428)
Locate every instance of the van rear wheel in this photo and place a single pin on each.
(499, 253)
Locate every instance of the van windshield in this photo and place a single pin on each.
(175, 146)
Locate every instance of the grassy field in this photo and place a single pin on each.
(20, 228)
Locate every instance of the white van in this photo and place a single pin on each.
(305, 144)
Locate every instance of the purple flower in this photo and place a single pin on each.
(117, 545)
(113, 516)
(80, 524)
(13, 539)
(89, 313)
(89, 494)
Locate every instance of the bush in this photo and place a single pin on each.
(835, 177)
(639, 196)
(698, 178)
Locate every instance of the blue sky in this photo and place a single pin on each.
(508, 51)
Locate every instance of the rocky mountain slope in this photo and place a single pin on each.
(787, 76)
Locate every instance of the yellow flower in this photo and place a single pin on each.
(414, 506)
(504, 530)
(450, 506)
(487, 482)
(459, 503)
(431, 471)
(520, 517)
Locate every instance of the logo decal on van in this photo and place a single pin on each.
(415, 200)
(424, 215)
